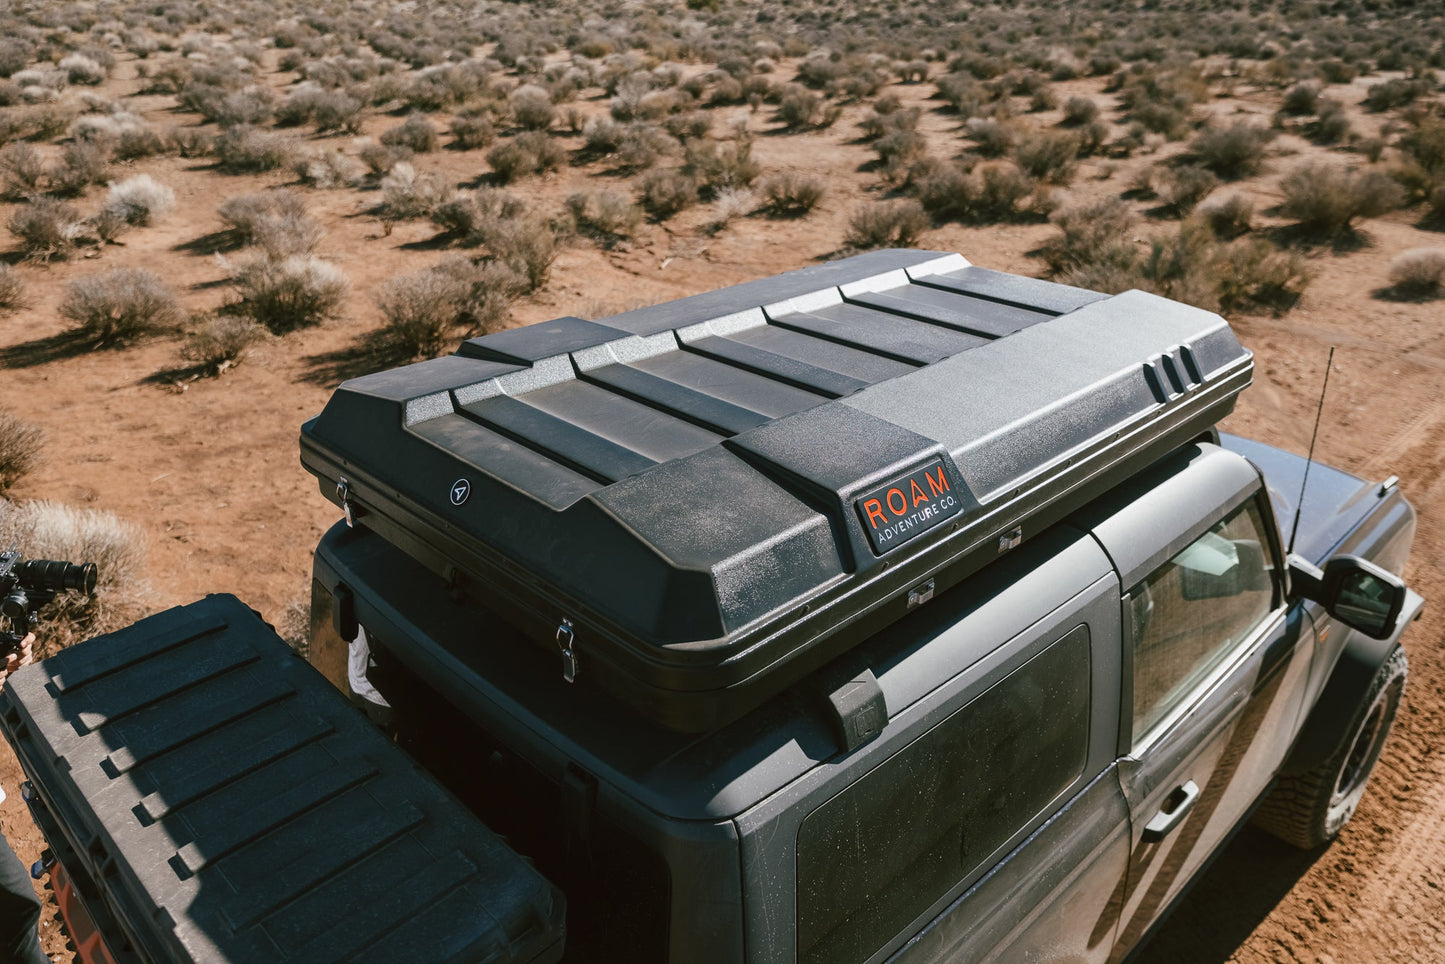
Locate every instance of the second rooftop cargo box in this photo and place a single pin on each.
(698, 503)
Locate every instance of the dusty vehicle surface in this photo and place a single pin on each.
(892, 609)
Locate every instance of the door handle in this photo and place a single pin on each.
(1176, 805)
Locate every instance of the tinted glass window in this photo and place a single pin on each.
(1193, 611)
(879, 854)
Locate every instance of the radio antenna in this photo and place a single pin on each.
(1309, 460)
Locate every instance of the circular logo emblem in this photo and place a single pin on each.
(461, 490)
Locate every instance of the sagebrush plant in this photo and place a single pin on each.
(791, 194)
(1326, 199)
(665, 193)
(12, 288)
(140, 200)
(1227, 215)
(422, 311)
(416, 133)
(244, 149)
(220, 342)
(117, 306)
(285, 294)
(1419, 272)
(604, 213)
(407, 193)
(21, 443)
(1232, 152)
(51, 530)
(47, 228)
(885, 224)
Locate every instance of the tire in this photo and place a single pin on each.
(1309, 810)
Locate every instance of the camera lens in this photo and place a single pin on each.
(56, 576)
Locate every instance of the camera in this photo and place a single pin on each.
(28, 584)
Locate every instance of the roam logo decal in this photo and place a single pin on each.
(908, 507)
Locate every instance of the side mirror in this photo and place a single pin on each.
(1358, 593)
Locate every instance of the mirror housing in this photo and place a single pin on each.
(1354, 591)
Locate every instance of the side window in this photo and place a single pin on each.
(885, 849)
(1192, 612)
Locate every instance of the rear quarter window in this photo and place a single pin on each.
(883, 851)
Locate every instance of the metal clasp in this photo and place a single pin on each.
(566, 640)
(1011, 539)
(919, 595)
(343, 495)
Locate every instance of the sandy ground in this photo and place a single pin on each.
(210, 471)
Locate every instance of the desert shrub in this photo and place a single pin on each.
(1047, 155)
(49, 530)
(526, 245)
(1397, 92)
(140, 200)
(1180, 266)
(329, 169)
(80, 69)
(407, 194)
(602, 213)
(472, 131)
(531, 152)
(1253, 274)
(1080, 110)
(47, 228)
(884, 224)
(1228, 216)
(665, 193)
(243, 149)
(20, 445)
(532, 107)
(191, 141)
(422, 310)
(991, 137)
(1091, 235)
(120, 305)
(792, 194)
(81, 165)
(1435, 203)
(252, 106)
(1424, 145)
(12, 288)
(992, 193)
(897, 151)
(801, 109)
(469, 214)
(285, 294)
(1337, 71)
(731, 203)
(140, 141)
(22, 168)
(1418, 272)
(221, 342)
(1301, 100)
(643, 145)
(1232, 152)
(492, 285)
(718, 165)
(380, 158)
(886, 119)
(15, 54)
(416, 133)
(1183, 187)
(1332, 126)
(688, 126)
(1327, 198)
(275, 221)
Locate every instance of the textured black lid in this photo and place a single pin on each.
(688, 470)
